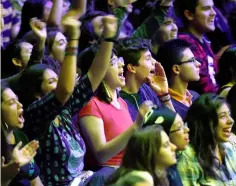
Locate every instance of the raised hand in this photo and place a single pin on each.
(158, 81)
(110, 26)
(72, 27)
(143, 109)
(25, 154)
(8, 171)
(39, 28)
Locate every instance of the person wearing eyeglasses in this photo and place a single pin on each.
(181, 67)
(151, 150)
(105, 122)
(177, 131)
(210, 158)
(198, 17)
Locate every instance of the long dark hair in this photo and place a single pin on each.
(227, 66)
(141, 154)
(5, 148)
(202, 121)
(30, 83)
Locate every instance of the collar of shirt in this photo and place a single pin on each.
(185, 99)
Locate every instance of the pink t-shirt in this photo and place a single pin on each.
(116, 121)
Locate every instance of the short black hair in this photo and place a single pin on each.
(171, 53)
(130, 49)
(181, 5)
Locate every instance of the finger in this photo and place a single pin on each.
(3, 161)
(18, 145)
(31, 146)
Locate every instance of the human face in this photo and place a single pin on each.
(11, 110)
(168, 30)
(225, 124)
(49, 83)
(204, 16)
(59, 47)
(97, 25)
(189, 71)
(179, 133)
(145, 67)
(66, 6)
(114, 77)
(25, 53)
(166, 156)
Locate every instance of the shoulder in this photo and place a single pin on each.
(194, 94)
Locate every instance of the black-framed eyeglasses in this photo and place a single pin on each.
(192, 60)
(185, 125)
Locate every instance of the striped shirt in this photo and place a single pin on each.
(9, 20)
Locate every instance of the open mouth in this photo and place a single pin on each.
(21, 118)
(121, 75)
(227, 131)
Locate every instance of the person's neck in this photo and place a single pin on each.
(10, 137)
(161, 171)
(132, 85)
(199, 35)
(112, 92)
(179, 86)
(219, 154)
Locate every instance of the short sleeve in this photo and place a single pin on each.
(82, 93)
(91, 109)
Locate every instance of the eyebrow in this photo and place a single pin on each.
(12, 99)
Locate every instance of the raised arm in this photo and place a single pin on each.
(149, 27)
(93, 131)
(67, 77)
(55, 15)
(100, 64)
(77, 10)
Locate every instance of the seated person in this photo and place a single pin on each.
(180, 67)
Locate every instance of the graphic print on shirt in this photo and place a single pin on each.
(75, 161)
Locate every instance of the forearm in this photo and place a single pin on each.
(169, 105)
(100, 64)
(113, 147)
(78, 9)
(55, 14)
(67, 75)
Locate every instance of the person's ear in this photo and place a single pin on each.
(17, 62)
(175, 69)
(189, 15)
(131, 68)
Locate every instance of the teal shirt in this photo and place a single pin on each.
(191, 172)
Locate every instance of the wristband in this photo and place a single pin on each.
(110, 40)
(71, 51)
(165, 98)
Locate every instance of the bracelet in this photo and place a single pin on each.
(165, 98)
(71, 51)
(110, 40)
(163, 95)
